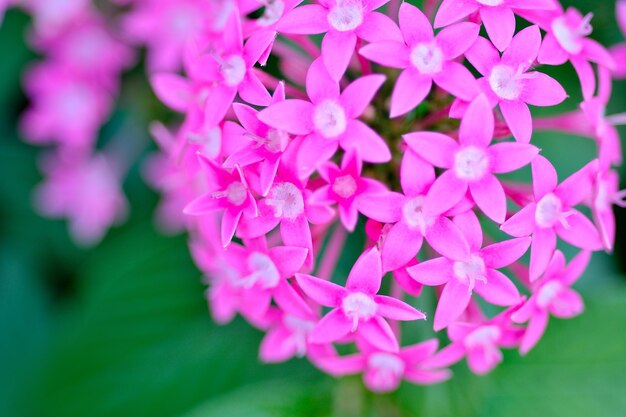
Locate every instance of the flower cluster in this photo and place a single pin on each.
(71, 92)
(303, 122)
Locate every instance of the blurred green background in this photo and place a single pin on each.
(123, 329)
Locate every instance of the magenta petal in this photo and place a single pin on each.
(500, 25)
(434, 147)
(173, 90)
(277, 346)
(504, 253)
(523, 51)
(378, 333)
(313, 151)
(366, 274)
(447, 356)
(384, 207)
(388, 53)
(482, 360)
(511, 156)
(446, 191)
(410, 90)
(267, 175)
(576, 267)
(319, 84)
(518, 118)
(456, 39)
(498, 289)
(568, 304)
(414, 25)
(230, 220)
(290, 301)
(349, 216)
(586, 74)
(551, 52)
(580, 232)
(542, 90)
(337, 50)
(342, 365)
(204, 204)
(416, 175)
(218, 103)
(541, 251)
(400, 246)
(575, 188)
(544, 177)
(522, 223)
(322, 292)
(394, 309)
(252, 91)
(357, 96)
(297, 232)
(490, 198)
(293, 116)
(305, 20)
(483, 56)
(447, 239)
(370, 146)
(377, 27)
(534, 331)
(452, 11)
(453, 301)
(433, 272)
(247, 116)
(458, 81)
(288, 259)
(332, 327)
(477, 125)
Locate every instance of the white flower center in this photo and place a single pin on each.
(471, 163)
(506, 82)
(236, 193)
(413, 215)
(286, 200)
(387, 370)
(233, 70)
(276, 141)
(484, 336)
(570, 38)
(469, 272)
(490, 2)
(329, 119)
(262, 271)
(210, 141)
(550, 212)
(358, 307)
(273, 12)
(346, 15)
(427, 58)
(344, 186)
(547, 293)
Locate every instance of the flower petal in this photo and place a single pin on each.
(504, 253)
(490, 198)
(358, 95)
(500, 25)
(541, 251)
(543, 91)
(319, 84)
(410, 90)
(369, 145)
(293, 116)
(477, 125)
(545, 178)
(456, 39)
(458, 81)
(446, 238)
(446, 191)
(366, 274)
(434, 147)
(518, 119)
(337, 50)
(378, 27)
(305, 20)
(498, 290)
(452, 11)
(511, 156)
(394, 309)
(414, 25)
(378, 333)
(388, 53)
(332, 327)
(524, 48)
(400, 246)
(453, 301)
(321, 291)
(433, 272)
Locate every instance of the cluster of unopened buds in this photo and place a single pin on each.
(397, 123)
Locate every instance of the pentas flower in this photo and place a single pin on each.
(552, 214)
(287, 336)
(383, 371)
(567, 39)
(228, 194)
(329, 120)
(480, 343)
(606, 194)
(346, 188)
(265, 144)
(425, 58)
(409, 225)
(619, 51)
(478, 271)
(343, 22)
(552, 295)
(230, 70)
(470, 163)
(498, 16)
(508, 82)
(357, 308)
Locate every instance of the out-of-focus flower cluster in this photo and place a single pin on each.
(306, 121)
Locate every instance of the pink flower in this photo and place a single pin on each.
(287, 336)
(619, 51)
(567, 39)
(425, 58)
(477, 271)
(84, 189)
(606, 194)
(498, 16)
(329, 120)
(552, 215)
(508, 83)
(408, 224)
(228, 194)
(342, 21)
(479, 342)
(552, 295)
(346, 188)
(357, 308)
(471, 163)
(383, 371)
